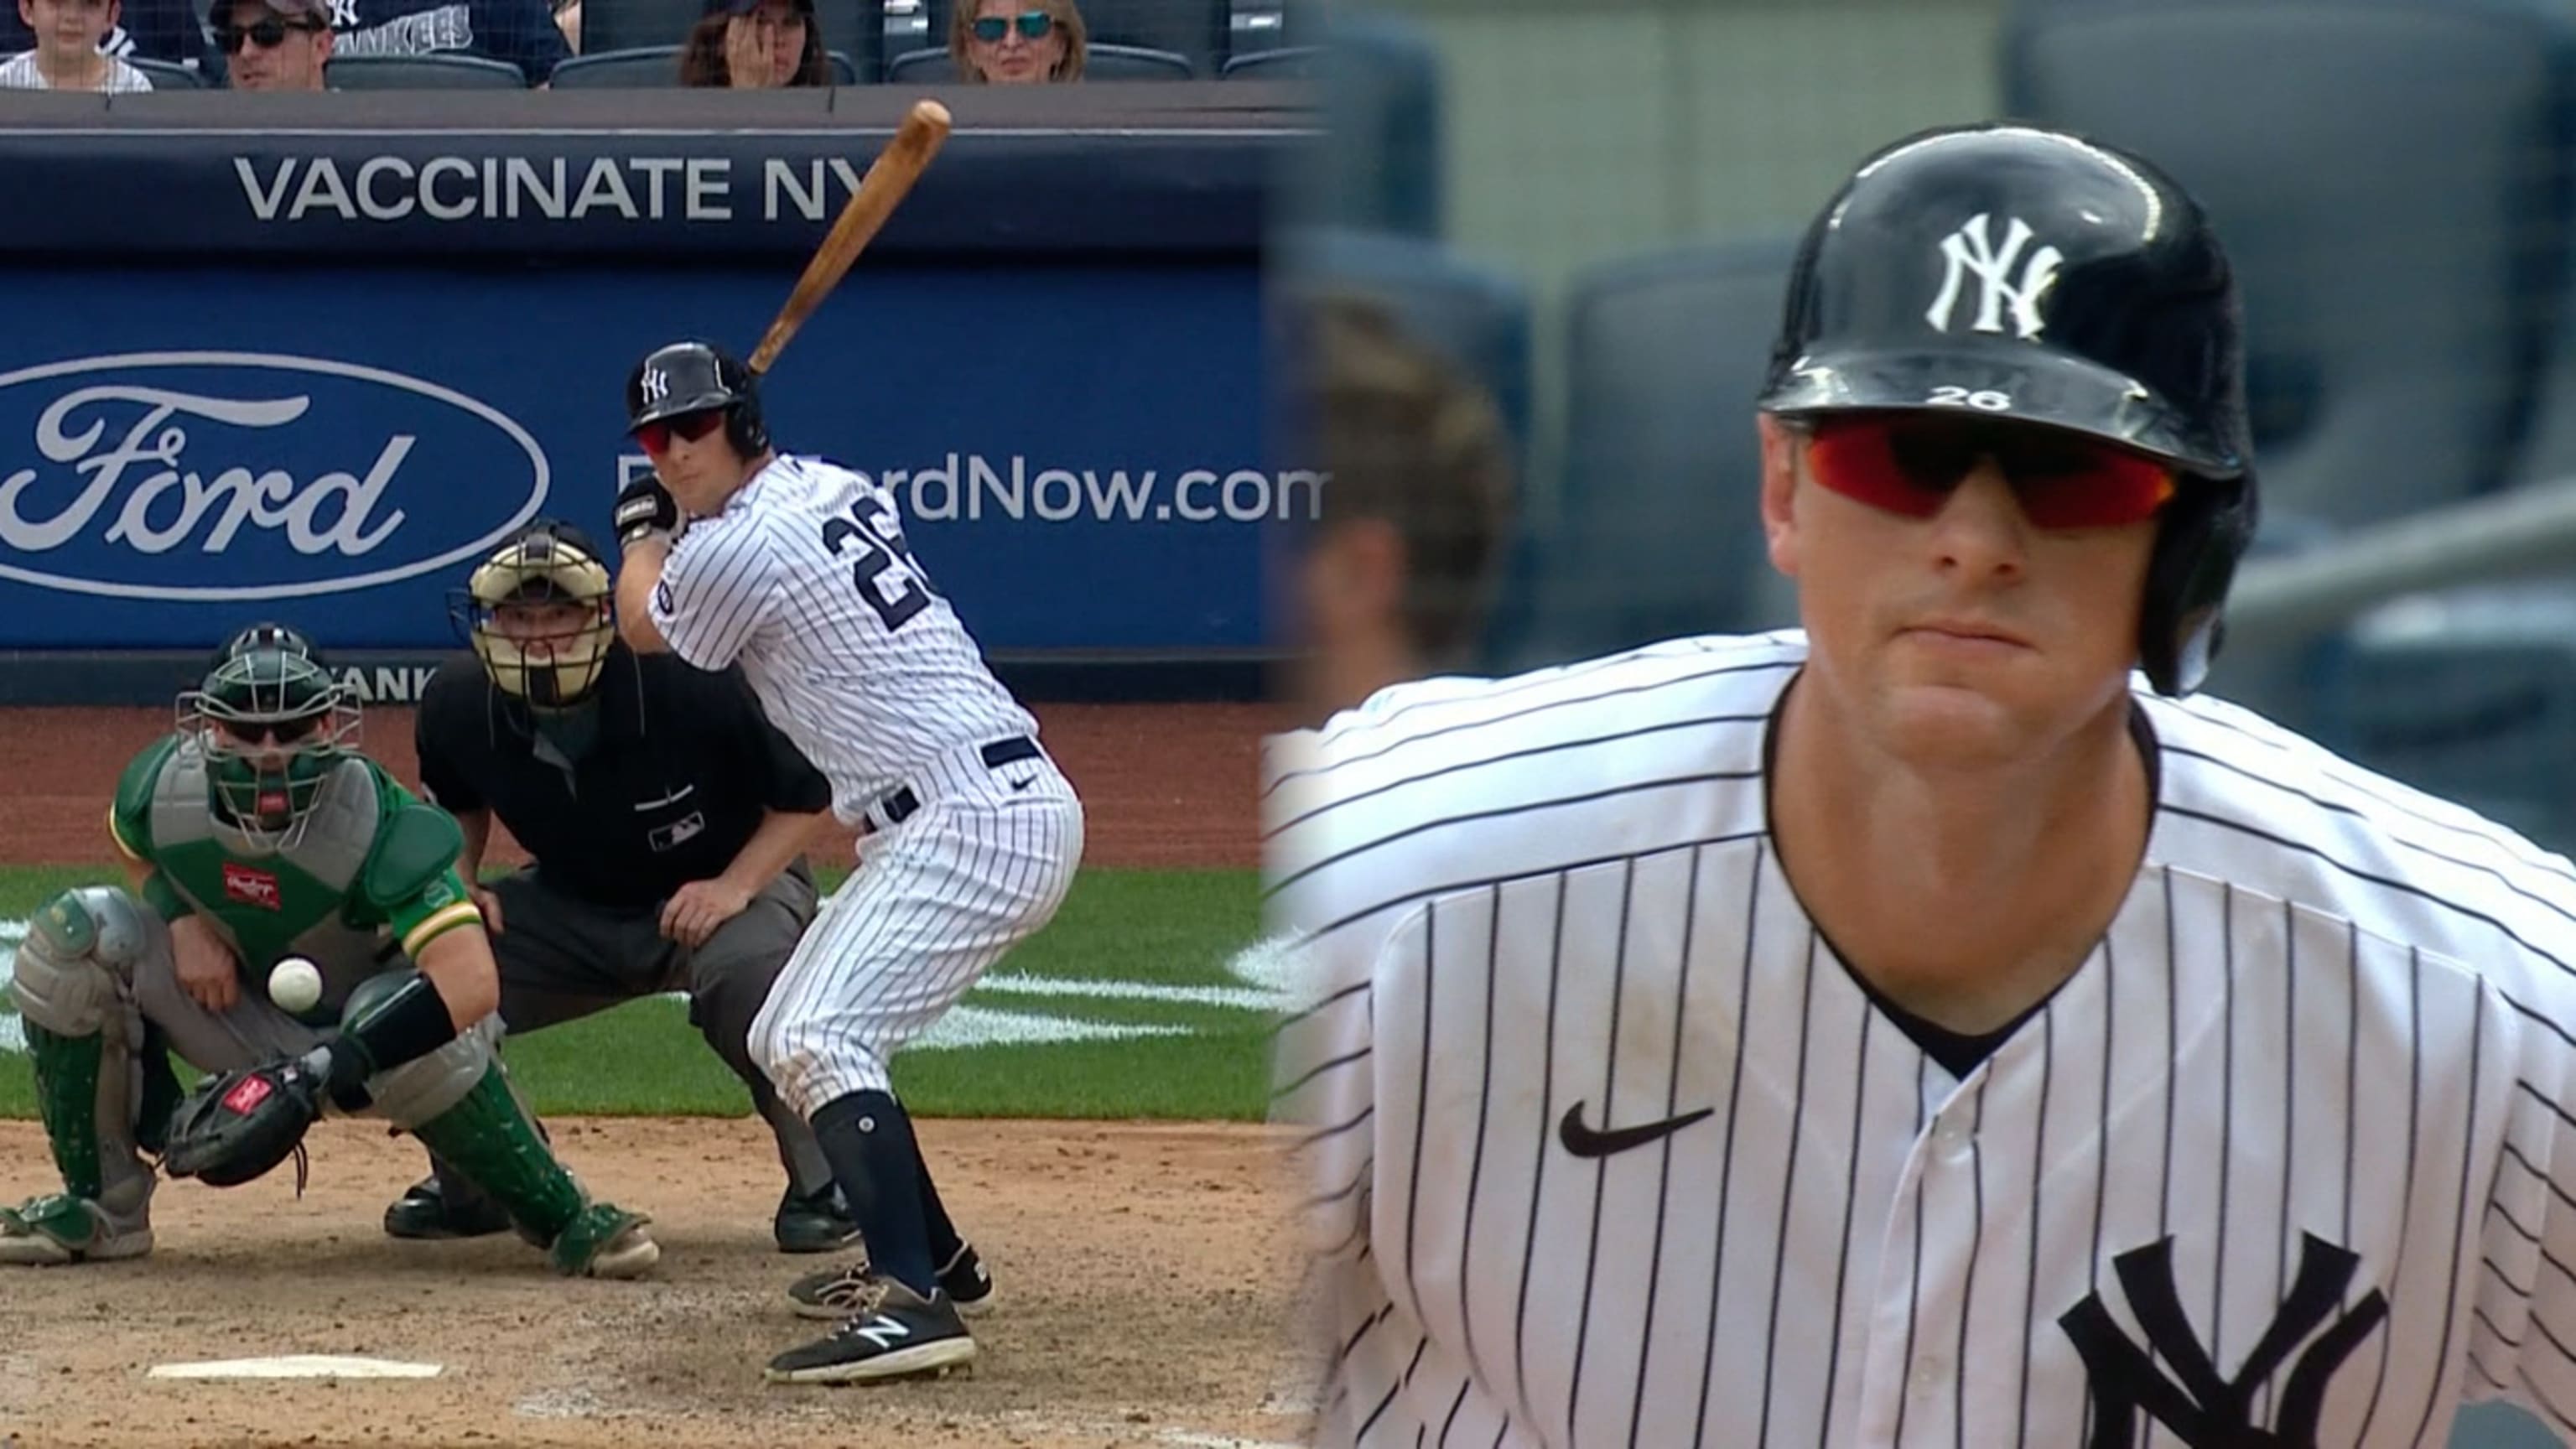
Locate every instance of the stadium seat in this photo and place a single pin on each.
(1100, 62)
(1479, 319)
(1657, 531)
(855, 31)
(1293, 62)
(1193, 30)
(434, 72)
(1382, 92)
(169, 76)
(2470, 693)
(1380, 165)
(622, 25)
(645, 67)
(2386, 178)
(635, 68)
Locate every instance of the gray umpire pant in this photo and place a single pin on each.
(563, 958)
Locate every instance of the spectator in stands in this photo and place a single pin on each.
(1395, 580)
(146, 29)
(67, 55)
(521, 32)
(1017, 42)
(754, 45)
(274, 45)
(568, 20)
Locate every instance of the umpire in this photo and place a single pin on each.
(666, 818)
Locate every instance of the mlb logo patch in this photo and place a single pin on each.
(250, 887)
(246, 1094)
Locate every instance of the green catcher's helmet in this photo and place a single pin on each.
(272, 721)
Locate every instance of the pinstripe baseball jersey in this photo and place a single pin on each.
(807, 579)
(1605, 1146)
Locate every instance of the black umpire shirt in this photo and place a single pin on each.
(677, 778)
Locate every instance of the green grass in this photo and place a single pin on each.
(1147, 928)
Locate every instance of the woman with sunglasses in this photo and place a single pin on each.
(1948, 1027)
(756, 45)
(1017, 42)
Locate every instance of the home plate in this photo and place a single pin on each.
(296, 1366)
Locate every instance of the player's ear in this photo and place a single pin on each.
(1779, 493)
(1373, 567)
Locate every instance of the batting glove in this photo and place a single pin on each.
(645, 509)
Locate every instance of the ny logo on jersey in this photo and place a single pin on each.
(2205, 1410)
(655, 386)
(1970, 251)
(344, 14)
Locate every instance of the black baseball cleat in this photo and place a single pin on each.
(837, 1292)
(814, 1223)
(430, 1211)
(895, 1334)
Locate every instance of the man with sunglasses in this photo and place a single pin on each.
(665, 819)
(274, 45)
(253, 833)
(799, 570)
(1934, 1025)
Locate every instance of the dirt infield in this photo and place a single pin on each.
(1140, 1289)
(1143, 1282)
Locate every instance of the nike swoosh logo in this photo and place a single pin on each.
(1582, 1141)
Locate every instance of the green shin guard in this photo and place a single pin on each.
(67, 1080)
(490, 1139)
(492, 1142)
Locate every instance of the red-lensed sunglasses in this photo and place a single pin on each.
(1908, 463)
(656, 435)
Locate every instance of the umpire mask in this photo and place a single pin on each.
(540, 615)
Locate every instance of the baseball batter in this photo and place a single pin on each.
(1915, 1029)
(798, 570)
(254, 832)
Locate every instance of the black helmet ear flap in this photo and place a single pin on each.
(2182, 622)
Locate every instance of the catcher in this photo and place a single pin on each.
(254, 832)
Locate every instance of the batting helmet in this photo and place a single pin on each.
(2039, 276)
(547, 562)
(693, 377)
(271, 721)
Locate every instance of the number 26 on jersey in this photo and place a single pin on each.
(889, 579)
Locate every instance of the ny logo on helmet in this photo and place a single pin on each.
(1971, 251)
(656, 385)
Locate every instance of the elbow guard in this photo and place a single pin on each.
(392, 1019)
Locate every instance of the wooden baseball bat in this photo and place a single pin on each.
(888, 180)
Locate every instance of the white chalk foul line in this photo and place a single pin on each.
(1269, 987)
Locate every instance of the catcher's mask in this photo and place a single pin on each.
(271, 721)
(540, 615)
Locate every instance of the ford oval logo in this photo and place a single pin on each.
(274, 477)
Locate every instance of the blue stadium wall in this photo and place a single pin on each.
(311, 371)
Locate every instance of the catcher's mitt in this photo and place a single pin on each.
(235, 1126)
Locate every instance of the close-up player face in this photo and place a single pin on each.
(693, 458)
(1967, 592)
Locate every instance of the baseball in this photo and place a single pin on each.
(295, 984)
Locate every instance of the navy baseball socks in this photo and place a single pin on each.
(900, 1322)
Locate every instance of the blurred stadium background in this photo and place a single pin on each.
(569, 44)
(1594, 206)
